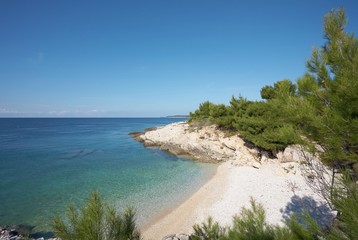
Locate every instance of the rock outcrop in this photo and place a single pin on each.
(19, 232)
(210, 144)
(206, 144)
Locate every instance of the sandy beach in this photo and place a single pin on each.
(279, 186)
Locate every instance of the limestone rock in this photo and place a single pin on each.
(173, 148)
(179, 236)
(293, 153)
(210, 144)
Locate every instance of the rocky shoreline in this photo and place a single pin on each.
(212, 145)
(282, 181)
(20, 232)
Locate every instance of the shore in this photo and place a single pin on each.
(279, 185)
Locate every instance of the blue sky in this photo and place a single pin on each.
(151, 58)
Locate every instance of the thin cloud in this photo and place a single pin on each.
(92, 112)
(7, 111)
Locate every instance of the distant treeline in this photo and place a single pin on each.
(178, 116)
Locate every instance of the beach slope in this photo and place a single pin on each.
(244, 172)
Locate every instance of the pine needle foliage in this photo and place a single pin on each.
(251, 224)
(208, 231)
(96, 221)
(345, 200)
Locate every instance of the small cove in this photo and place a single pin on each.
(50, 163)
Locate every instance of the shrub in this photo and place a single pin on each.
(96, 221)
(251, 225)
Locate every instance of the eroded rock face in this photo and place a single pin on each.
(173, 148)
(295, 153)
(207, 144)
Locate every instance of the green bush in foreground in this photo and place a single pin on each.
(251, 225)
(96, 221)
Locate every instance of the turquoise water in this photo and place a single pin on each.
(47, 164)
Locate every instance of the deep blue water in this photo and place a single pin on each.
(46, 164)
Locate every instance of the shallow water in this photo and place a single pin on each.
(48, 163)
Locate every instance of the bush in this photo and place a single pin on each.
(251, 225)
(96, 221)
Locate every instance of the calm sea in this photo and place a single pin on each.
(46, 164)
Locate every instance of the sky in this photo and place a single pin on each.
(149, 58)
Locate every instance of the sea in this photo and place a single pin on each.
(48, 163)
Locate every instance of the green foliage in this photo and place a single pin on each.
(264, 125)
(322, 106)
(332, 87)
(268, 92)
(308, 230)
(208, 231)
(251, 225)
(96, 221)
(346, 202)
(258, 122)
(280, 89)
(202, 113)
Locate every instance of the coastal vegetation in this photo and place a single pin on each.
(96, 221)
(321, 107)
(252, 224)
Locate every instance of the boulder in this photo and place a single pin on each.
(293, 153)
(179, 236)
